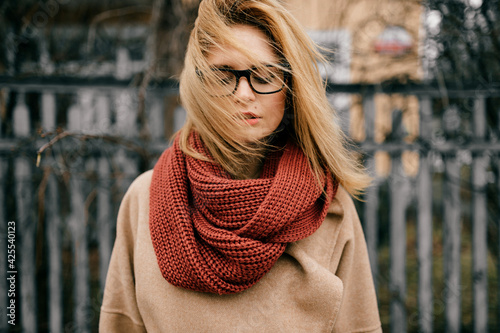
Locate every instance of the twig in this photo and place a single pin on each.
(48, 145)
(84, 137)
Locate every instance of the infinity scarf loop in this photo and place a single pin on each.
(212, 233)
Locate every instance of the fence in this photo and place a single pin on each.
(432, 237)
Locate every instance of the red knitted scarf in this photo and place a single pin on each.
(215, 234)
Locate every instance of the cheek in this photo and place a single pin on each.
(277, 107)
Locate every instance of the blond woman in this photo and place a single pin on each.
(246, 223)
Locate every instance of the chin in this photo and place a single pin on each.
(254, 136)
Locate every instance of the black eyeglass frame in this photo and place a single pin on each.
(246, 73)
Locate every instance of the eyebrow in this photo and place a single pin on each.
(215, 66)
(222, 67)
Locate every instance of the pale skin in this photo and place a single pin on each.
(266, 110)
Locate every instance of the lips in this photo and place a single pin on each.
(250, 118)
(249, 115)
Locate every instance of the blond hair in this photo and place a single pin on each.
(313, 121)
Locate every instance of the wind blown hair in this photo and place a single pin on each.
(309, 117)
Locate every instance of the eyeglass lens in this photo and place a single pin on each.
(264, 80)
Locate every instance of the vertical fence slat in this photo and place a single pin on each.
(104, 220)
(21, 118)
(369, 115)
(424, 226)
(498, 240)
(371, 207)
(451, 240)
(25, 224)
(126, 119)
(169, 115)
(179, 118)
(78, 227)
(4, 100)
(11, 51)
(400, 192)
(371, 221)
(103, 115)
(53, 224)
(55, 255)
(104, 212)
(48, 111)
(156, 122)
(126, 116)
(88, 111)
(480, 220)
(4, 93)
(3, 247)
(479, 244)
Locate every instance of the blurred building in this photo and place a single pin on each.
(371, 42)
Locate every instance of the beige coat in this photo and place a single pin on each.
(322, 283)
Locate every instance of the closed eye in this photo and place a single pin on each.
(225, 81)
(264, 80)
(224, 77)
(266, 75)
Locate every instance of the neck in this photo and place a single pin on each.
(252, 163)
(252, 167)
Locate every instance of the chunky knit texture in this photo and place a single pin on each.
(212, 233)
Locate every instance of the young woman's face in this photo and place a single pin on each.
(259, 114)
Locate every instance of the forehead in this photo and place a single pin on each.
(253, 39)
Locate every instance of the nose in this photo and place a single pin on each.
(244, 90)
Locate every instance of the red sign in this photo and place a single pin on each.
(394, 40)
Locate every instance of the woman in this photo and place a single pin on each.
(246, 223)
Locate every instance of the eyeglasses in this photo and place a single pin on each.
(267, 79)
